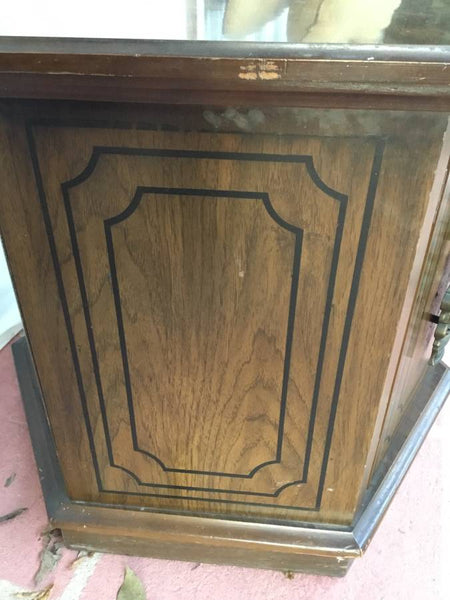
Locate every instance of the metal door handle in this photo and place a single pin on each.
(442, 332)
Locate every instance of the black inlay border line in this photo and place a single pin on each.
(298, 235)
(303, 159)
(107, 224)
(62, 294)
(365, 227)
(370, 197)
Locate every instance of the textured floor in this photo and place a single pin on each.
(409, 558)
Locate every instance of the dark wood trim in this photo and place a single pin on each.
(313, 548)
(225, 49)
(281, 75)
(256, 554)
(140, 90)
(420, 415)
(161, 528)
(126, 69)
(50, 474)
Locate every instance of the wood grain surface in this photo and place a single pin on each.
(225, 66)
(201, 304)
(316, 548)
(429, 280)
(224, 72)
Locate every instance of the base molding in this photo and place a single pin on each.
(245, 555)
(309, 548)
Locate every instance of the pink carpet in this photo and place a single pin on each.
(409, 558)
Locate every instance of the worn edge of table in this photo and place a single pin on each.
(228, 48)
(149, 70)
(305, 548)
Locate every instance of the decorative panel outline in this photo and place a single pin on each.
(298, 233)
(304, 159)
(307, 160)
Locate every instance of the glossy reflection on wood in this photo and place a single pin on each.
(223, 305)
(205, 314)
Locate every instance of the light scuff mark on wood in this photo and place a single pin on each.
(263, 70)
(248, 72)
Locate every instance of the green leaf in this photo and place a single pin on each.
(132, 587)
(9, 480)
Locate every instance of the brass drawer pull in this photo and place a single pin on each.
(442, 332)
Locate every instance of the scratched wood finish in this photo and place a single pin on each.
(142, 65)
(98, 89)
(206, 349)
(301, 547)
(182, 259)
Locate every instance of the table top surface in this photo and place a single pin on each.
(296, 27)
